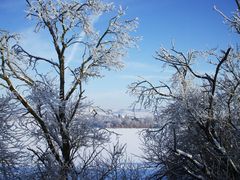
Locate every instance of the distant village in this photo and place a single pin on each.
(124, 121)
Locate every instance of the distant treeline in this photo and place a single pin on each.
(119, 121)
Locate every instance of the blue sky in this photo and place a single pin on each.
(190, 24)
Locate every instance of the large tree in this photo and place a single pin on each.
(54, 106)
(198, 114)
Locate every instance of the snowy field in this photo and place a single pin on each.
(130, 137)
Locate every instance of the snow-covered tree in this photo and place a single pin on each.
(10, 148)
(51, 90)
(198, 114)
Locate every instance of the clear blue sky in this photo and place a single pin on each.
(190, 24)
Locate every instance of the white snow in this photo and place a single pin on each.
(130, 137)
(125, 136)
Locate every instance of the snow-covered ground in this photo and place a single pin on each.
(130, 137)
